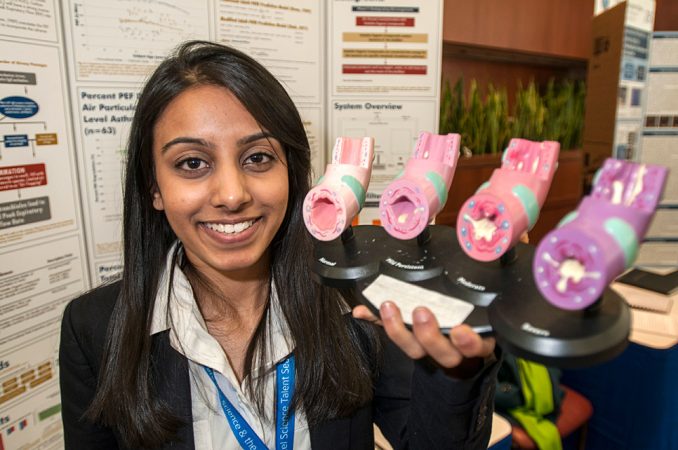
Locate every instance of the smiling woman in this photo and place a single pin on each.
(215, 336)
(221, 181)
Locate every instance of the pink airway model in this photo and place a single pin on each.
(411, 201)
(339, 196)
(492, 220)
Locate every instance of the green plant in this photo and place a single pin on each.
(496, 120)
(475, 136)
(529, 114)
(565, 112)
(487, 126)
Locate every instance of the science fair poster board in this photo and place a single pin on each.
(42, 247)
(70, 75)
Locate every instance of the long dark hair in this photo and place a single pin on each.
(334, 370)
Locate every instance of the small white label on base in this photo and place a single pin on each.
(449, 311)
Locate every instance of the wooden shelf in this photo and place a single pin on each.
(495, 55)
(560, 28)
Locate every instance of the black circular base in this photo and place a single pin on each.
(528, 326)
(507, 302)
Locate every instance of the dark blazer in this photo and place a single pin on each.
(415, 405)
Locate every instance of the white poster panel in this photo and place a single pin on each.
(35, 19)
(384, 49)
(314, 125)
(659, 147)
(37, 172)
(36, 282)
(664, 50)
(661, 110)
(283, 35)
(124, 40)
(660, 135)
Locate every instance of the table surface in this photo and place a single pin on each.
(651, 340)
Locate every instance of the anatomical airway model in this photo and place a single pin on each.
(594, 244)
(339, 195)
(493, 219)
(413, 199)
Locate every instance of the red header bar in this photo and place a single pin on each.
(384, 21)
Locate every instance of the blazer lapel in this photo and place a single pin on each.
(173, 387)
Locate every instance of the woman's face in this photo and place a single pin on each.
(221, 181)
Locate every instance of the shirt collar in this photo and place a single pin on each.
(180, 314)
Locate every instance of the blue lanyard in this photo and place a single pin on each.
(284, 420)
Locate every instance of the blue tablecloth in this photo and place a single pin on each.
(635, 400)
(504, 444)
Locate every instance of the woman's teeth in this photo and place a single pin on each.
(230, 228)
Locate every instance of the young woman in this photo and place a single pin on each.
(215, 337)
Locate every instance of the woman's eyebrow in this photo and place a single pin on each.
(185, 140)
(255, 137)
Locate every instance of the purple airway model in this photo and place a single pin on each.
(575, 262)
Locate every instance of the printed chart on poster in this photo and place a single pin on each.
(36, 282)
(383, 48)
(394, 125)
(283, 35)
(102, 125)
(36, 171)
(33, 19)
(124, 40)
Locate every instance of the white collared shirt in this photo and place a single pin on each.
(189, 336)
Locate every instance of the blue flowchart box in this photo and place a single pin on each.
(15, 140)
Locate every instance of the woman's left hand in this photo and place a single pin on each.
(426, 339)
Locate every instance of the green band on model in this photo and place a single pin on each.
(439, 185)
(625, 235)
(529, 202)
(356, 187)
(569, 217)
(596, 176)
(485, 185)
